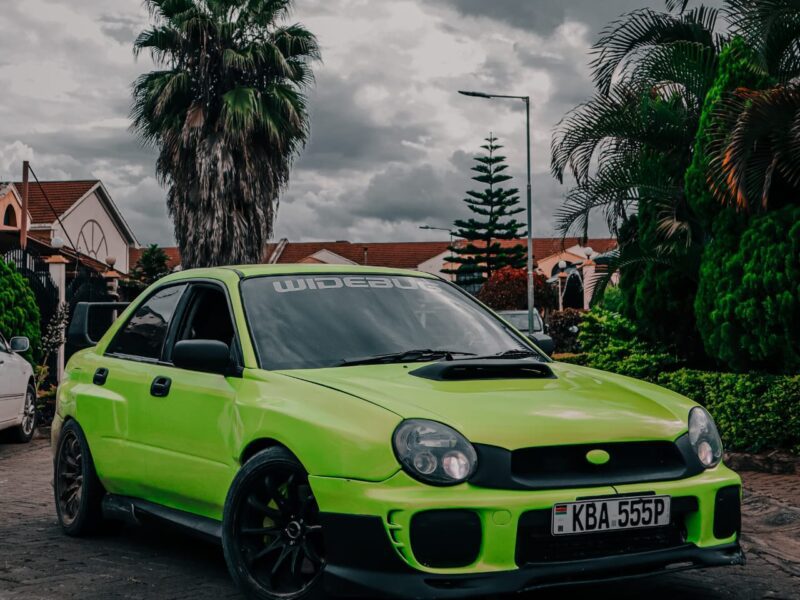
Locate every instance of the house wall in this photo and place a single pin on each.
(8, 199)
(91, 218)
(435, 264)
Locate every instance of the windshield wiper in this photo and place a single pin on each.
(422, 355)
(512, 354)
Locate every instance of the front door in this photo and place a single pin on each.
(117, 382)
(186, 420)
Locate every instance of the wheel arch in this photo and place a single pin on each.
(257, 445)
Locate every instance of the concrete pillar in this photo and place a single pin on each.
(562, 287)
(588, 282)
(58, 271)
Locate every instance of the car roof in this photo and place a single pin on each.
(246, 271)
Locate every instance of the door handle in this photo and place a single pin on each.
(100, 376)
(160, 387)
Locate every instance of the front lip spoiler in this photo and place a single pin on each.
(416, 584)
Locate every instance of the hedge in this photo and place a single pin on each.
(753, 411)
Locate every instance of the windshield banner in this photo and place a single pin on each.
(300, 284)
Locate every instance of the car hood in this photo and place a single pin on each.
(579, 405)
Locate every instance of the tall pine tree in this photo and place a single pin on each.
(482, 253)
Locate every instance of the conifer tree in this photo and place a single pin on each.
(482, 253)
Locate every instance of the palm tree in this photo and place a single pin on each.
(227, 112)
(754, 150)
(633, 141)
(628, 149)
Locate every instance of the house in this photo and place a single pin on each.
(428, 257)
(79, 214)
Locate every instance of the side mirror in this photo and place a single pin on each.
(209, 356)
(19, 344)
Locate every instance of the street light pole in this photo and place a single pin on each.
(527, 101)
(531, 303)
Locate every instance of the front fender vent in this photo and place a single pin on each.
(462, 370)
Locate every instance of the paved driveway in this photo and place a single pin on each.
(37, 561)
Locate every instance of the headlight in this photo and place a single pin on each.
(434, 453)
(704, 437)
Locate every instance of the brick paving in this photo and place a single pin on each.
(38, 562)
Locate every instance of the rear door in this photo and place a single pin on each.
(185, 422)
(120, 380)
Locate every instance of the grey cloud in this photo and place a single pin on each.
(124, 29)
(344, 137)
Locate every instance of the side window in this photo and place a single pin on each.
(207, 317)
(143, 336)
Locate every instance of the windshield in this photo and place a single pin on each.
(520, 320)
(300, 322)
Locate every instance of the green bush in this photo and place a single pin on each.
(753, 411)
(748, 304)
(610, 342)
(559, 324)
(612, 299)
(19, 313)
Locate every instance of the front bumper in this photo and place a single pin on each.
(370, 551)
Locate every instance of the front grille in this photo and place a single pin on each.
(536, 544)
(562, 467)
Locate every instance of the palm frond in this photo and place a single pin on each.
(755, 140)
(623, 39)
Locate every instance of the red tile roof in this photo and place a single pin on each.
(173, 256)
(401, 255)
(544, 247)
(62, 195)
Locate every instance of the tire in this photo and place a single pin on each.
(271, 534)
(23, 433)
(78, 492)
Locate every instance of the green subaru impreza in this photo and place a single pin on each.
(378, 432)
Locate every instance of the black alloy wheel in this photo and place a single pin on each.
(78, 491)
(69, 478)
(272, 536)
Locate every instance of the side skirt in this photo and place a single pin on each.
(135, 510)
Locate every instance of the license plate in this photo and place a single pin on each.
(609, 514)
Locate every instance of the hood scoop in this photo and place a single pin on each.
(482, 369)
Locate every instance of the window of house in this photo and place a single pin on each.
(10, 217)
(144, 334)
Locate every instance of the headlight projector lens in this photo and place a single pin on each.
(433, 452)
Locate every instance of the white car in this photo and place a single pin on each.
(17, 391)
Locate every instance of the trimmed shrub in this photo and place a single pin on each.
(748, 304)
(19, 313)
(753, 411)
(610, 342)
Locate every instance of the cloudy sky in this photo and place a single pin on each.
(391, 142)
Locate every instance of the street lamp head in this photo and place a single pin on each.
(474, 94)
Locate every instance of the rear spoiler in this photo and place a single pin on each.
(90, 321)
